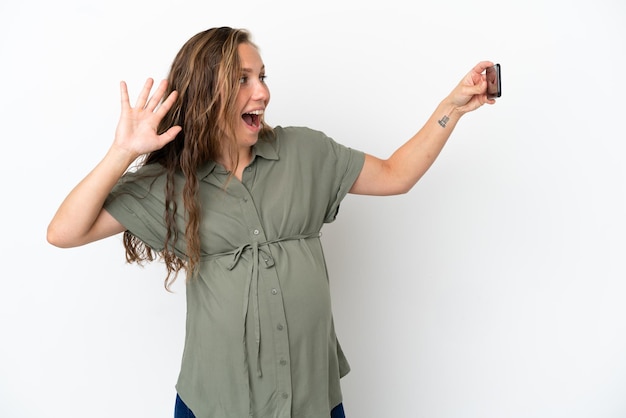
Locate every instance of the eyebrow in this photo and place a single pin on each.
(250, 70)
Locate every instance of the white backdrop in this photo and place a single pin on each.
(495, 288)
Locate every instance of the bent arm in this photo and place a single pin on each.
(81, 218)
(400, 172)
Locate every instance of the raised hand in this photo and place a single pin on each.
(136, 131)
(471, 92)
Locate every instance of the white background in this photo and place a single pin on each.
(495, 288)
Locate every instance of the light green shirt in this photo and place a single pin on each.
(260, 338)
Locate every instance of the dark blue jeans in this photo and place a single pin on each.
(181, 410)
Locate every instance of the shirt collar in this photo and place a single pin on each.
(264, 148)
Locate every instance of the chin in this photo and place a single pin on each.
(247, 140)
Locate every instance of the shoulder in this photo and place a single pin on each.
(299, 137)
(148, 178)
(311, 146)
(290, 131)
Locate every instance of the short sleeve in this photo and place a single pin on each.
(137, 202)
(348, 164)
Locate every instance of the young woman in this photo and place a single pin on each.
(238, 206)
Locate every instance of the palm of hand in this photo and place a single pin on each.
(137, 128)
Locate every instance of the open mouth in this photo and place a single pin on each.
(253, 118)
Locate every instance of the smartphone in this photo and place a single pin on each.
(494, 82)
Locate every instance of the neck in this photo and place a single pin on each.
(236, 166)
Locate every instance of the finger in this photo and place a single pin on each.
(145, 92)
(476, 89)
(167, 104)
(157, 96)
(125, 101)
(169, 135)
(482, 66)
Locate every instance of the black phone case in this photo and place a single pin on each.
(494, 85)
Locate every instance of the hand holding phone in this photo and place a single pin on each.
(494, 82)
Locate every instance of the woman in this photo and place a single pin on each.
(238, 205)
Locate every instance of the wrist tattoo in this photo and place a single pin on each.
(443, 121)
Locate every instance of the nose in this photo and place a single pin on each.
(261, 91)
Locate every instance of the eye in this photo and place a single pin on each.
(243, 79)
(263, 78)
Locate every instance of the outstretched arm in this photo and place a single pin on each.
(399, 173)
(81, 218)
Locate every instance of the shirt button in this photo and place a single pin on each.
(274, 292)
(279, 327)
(255, 232)
(285, 395)
(283, 362)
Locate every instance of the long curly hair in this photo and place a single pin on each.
(205, 73)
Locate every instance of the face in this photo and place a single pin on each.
(253, 95)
